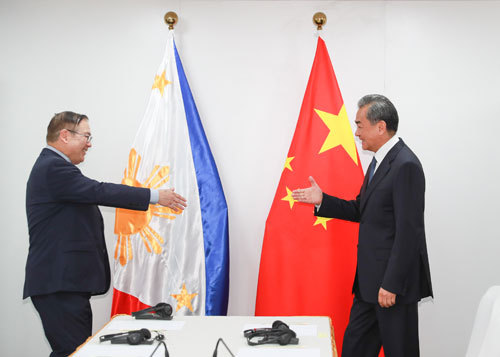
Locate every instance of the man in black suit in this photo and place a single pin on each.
(392, 272)
(67, 260)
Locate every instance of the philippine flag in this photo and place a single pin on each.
(163, 255)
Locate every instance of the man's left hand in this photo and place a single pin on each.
(386, 298)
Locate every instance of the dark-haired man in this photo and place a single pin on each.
(67, 260)
(392, 272)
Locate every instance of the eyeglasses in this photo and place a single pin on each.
(87, 136)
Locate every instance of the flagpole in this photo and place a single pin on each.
(171, 19)
(319, 19)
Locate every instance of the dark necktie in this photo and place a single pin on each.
(371, 169)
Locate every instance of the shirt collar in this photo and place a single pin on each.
(58, 152)
(384, 150)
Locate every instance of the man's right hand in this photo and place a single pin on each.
(312, 195)
(171, 199)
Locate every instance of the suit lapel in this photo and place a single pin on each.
(382, 171)
(363, 186)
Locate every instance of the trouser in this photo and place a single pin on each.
(372, 326)
(66, 319)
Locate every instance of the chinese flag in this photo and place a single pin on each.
(308, 263)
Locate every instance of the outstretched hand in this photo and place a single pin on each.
(312, 195)
(172, 200)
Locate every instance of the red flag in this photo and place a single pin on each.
(308, 263)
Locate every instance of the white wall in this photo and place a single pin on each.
(248, 63)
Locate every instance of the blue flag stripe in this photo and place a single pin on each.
(213, 205)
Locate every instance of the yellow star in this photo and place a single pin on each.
(289, 197)
(340, 132)
(184, 299)
(322, 221)
(287, 163)
(160, 82)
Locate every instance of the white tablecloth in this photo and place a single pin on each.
(188, 336)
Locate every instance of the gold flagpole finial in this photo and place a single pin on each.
(319, 20)
(171, 19)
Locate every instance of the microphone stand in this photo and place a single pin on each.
(217, 346)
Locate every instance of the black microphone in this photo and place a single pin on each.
(160, 311)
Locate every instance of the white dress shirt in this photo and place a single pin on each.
(384, 150)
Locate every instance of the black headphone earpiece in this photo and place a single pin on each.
(162, 309)
(138, 337)
(286, 337)
(280, 325)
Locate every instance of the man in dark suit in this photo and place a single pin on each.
(392, 272)
(67, 260)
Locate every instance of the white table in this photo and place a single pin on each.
(188, 336)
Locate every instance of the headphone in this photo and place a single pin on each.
(134, 337)
(279, 333)
(160, 311)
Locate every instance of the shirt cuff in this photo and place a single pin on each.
(155, 196)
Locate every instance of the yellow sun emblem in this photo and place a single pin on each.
(129, 222)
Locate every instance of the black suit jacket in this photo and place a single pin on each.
(67, 248)
(392, 251)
